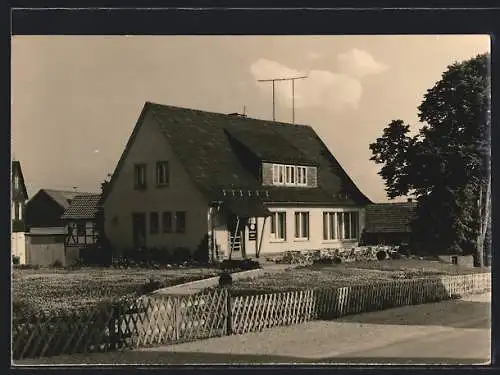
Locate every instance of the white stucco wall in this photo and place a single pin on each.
(315, 241)
(18, 246)
(149, 147)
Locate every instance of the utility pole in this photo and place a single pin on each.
(274, 80)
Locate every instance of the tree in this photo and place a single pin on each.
(446, 166)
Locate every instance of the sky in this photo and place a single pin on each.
(76, 99)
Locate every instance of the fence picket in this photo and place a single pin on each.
(170, 319)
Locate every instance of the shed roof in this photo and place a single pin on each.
(83, 206)
(389, 217)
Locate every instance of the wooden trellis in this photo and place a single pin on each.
(256, 312)
(160, 320)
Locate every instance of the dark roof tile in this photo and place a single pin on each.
(200, 141)
(389, 217)
(83, 206)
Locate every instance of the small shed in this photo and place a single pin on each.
(45, 247)
(79, 219)
(388, 223)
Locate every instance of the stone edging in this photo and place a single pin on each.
(193, 286)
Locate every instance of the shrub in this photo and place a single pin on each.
(95, 255)
(239, 264)
(225, 279)
(181, 255)
(57, 264)
(395, 256)
(201, 253)
(151, 286)
(381, 255)
(16, 259)
(337, 260)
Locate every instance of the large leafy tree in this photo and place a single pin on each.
(446, 166)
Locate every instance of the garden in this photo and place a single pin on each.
(334, 275)
(51, 290)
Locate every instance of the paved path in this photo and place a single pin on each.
(198, 285)
(454, 332)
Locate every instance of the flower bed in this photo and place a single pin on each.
(345, 255)
(347, 274)
(52, 290)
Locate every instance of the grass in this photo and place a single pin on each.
(52, 290)
(355, 273)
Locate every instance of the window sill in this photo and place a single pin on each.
(140, 188)
(300, 239)
(339, 241)
(273, 240)
(160, 186)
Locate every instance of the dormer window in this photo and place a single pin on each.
(289, 175)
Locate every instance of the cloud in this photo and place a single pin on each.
(321, 89)
(358, 63)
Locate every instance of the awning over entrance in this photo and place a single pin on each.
(246, 208)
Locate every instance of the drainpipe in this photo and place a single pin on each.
(261, 237)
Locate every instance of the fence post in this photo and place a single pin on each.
(229, 315)
(177, 317)
(112, 327)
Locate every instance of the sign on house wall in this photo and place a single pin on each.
(252, 231)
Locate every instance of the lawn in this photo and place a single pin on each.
(52, 290)
(355, 273)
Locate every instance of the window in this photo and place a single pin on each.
(167, 222)
(278, 226)
(140, 176)
(289, 175)
(81, 230)
(180, 222)
(276, 171)
(329, 228)
(154, 223)
(16, 182)
(162, 173)
(341, 225)
(301, 175)
(19, 215)
(16, 211)
(302, 225)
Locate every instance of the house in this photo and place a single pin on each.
(46, 207)
(388, 223)
(54, 219)
(80, 221)
(229, 186)
(19, 196)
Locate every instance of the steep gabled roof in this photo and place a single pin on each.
(389, 217)
(83, 206)
(17, 170)
(201, 141)
(61, 197)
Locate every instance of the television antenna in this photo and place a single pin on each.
(274, 80)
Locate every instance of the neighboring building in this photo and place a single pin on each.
(80, 221)
(19, 197)
(388, 223)
(49, 216)
(45, 246)
(46, 207)
(216, 182)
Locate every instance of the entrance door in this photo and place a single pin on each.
(237, 236)
(139, 230)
